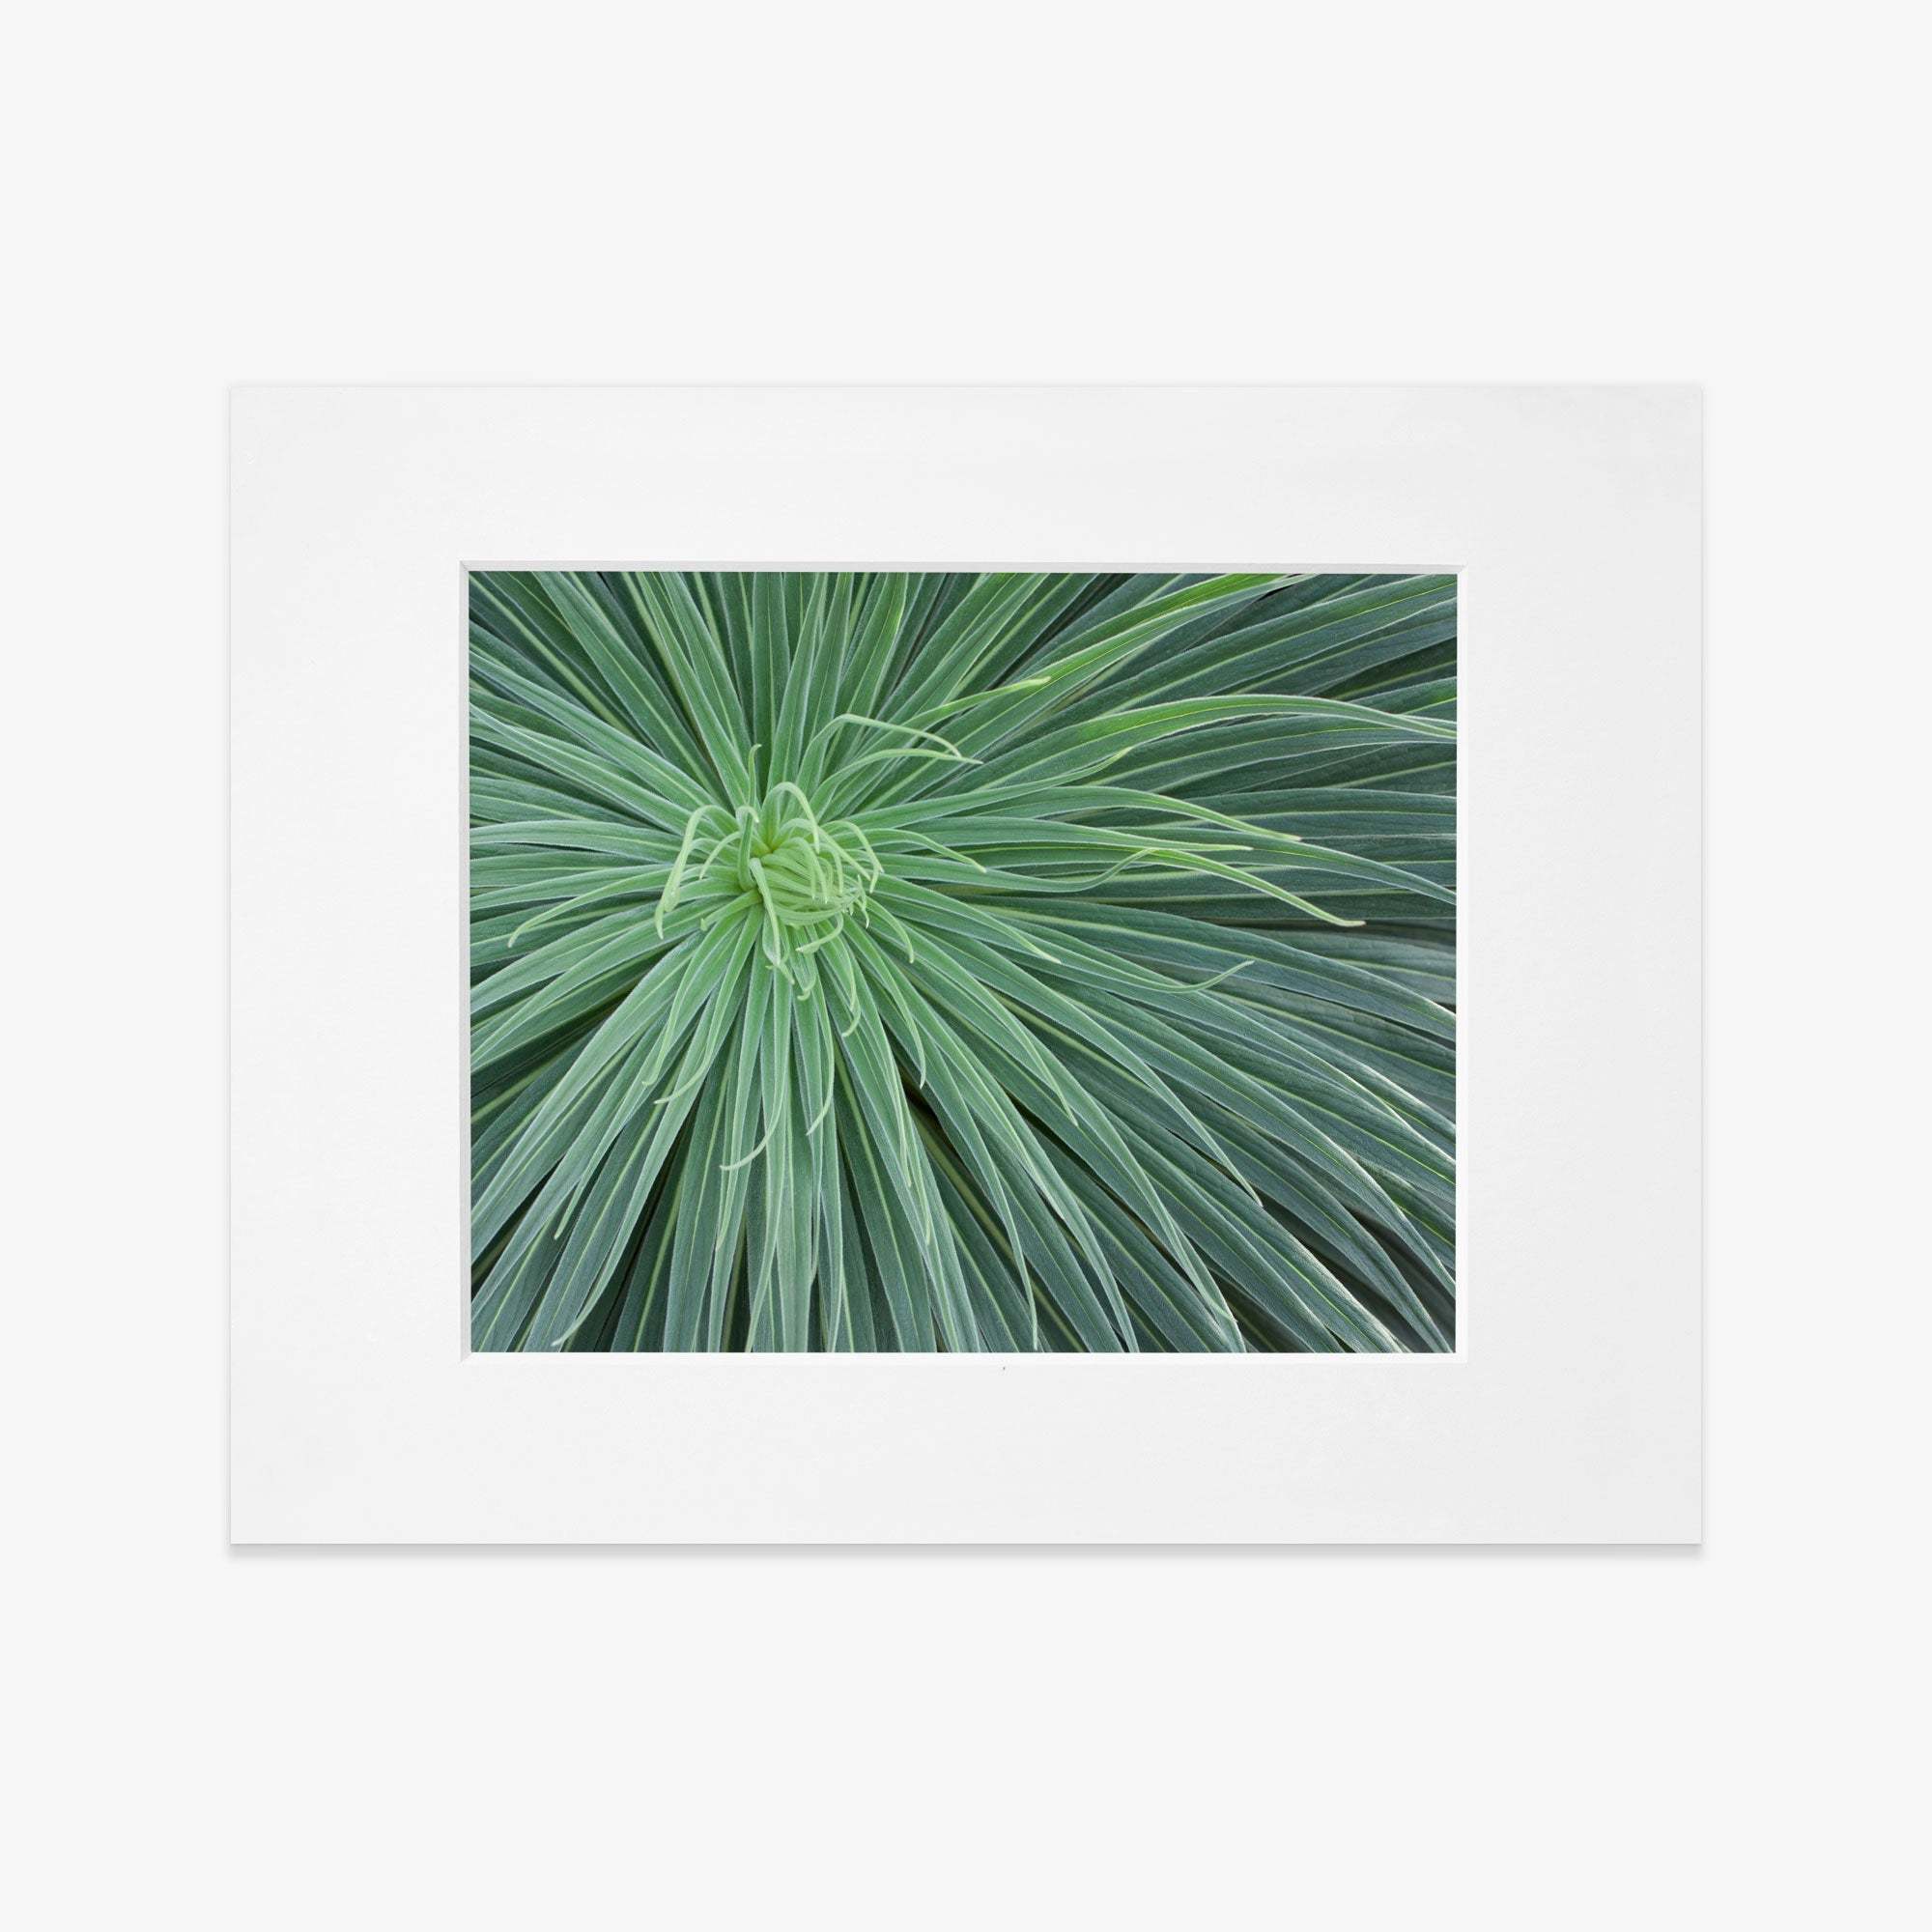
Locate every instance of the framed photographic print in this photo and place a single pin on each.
(966, 965)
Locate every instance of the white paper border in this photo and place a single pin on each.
(1571, 1412)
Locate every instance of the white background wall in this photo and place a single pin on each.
(203, 194)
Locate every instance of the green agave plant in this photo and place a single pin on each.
(951, 962)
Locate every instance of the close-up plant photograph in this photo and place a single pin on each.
(963, 961)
